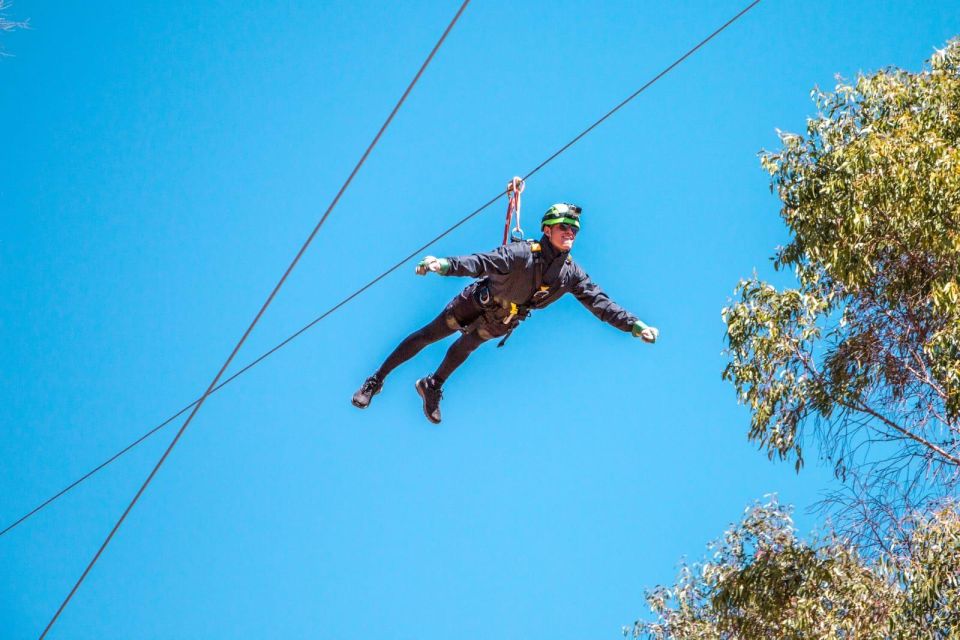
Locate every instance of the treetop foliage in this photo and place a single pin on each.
(863, 355)
(761, 581)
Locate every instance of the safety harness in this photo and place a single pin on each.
(508, 312)
(496, 310)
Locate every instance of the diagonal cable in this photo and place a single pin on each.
(263, 308)
(356, 293)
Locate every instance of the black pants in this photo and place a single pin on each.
(461, 312)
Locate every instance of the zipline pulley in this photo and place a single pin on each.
(514, 189)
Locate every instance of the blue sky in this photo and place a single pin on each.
(161, 163)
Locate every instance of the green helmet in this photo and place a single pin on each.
(561, 212)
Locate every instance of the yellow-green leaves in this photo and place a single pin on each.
(866, 347)
(769, 336)
(762, 581)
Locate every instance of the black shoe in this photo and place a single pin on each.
(371, 387)
(431, 393)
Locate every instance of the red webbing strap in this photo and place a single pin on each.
(514, 188)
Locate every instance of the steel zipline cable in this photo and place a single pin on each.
(214, 384)
(356, 293)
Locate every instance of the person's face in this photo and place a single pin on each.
(562, 236)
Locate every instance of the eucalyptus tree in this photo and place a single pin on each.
(862, 356)
(761, 581)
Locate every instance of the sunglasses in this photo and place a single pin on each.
(563, 226)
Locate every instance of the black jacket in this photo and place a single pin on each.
(509, 271)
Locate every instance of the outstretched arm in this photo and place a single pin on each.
(599, 303)
(475, 265)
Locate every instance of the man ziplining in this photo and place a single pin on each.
(512, 280)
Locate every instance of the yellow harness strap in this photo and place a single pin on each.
(514, 309)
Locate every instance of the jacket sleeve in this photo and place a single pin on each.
(599, 303)
(477, 265)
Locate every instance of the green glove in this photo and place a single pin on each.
(645, 333)
(430, 263)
